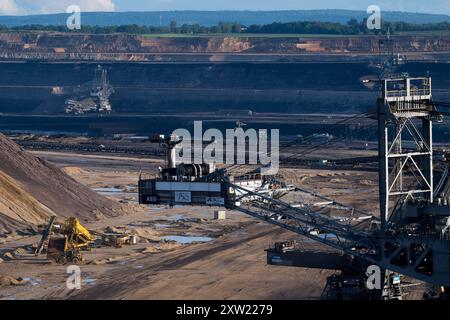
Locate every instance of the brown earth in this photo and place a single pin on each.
(129, 47)
(54, 42)
(231, 266)
(10, 281)
(15, 214)
(32, 190)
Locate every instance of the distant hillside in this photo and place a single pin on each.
(210, 18)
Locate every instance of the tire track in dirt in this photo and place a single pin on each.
(124, 280)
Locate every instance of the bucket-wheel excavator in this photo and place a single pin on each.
(409, 237)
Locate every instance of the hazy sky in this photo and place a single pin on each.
(22, 7)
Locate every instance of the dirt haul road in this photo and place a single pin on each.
(231, 267)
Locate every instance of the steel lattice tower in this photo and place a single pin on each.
(405, 143)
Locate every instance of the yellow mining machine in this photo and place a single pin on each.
(66, 242)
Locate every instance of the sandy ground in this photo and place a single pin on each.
(232, 265)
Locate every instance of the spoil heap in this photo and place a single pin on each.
(31, 190)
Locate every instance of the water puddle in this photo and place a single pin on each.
(108, 189)
(154, 208)
(112, 191)
(177, 217)
(161, 226)
(187, 239)
(32, 281)
(89, 281)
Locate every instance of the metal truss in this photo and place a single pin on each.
(405, 144)
(417, 256)
(405, 120)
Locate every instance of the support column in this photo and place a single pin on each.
(383, 164)
(427, 125)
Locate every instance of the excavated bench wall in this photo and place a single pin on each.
(148, 88)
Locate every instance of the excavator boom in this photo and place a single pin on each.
(80, 235)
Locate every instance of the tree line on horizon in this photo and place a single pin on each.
(352, 27)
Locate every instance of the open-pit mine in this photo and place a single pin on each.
(89, 174)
